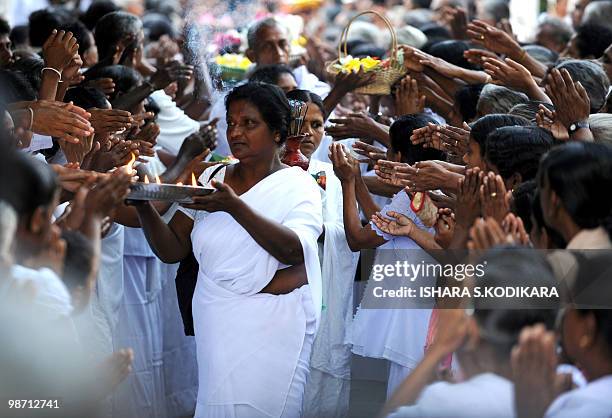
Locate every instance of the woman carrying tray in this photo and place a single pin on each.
(258, 296)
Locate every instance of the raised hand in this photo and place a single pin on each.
(388, 172)
(106, 85)
(486, 234)
(444, 227)
(427, 136)
(493, 39)
(109, 121)
(346, 167)
(61, 120)
(514, 227)
(349, 81)
(477, 56)
(547, 119)
(394, 223)
(371, 153)
(169, 73)
(59, 49)
(570, 99)
(509, 73)
(454, 140)
(355, 125)
(534, 363)
(408, 99)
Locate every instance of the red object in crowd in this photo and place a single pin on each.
(292, 156)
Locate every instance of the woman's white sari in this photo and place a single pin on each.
(249, 343)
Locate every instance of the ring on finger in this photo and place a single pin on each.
(494, 194)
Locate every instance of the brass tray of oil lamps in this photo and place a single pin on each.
(167, 192)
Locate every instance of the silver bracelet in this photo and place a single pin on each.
(59, 74)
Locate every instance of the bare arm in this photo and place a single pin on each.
(358, 237)
(170, 242)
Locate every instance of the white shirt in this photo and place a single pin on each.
(52, 298)
(592, 401)
(174, 124)
(486, 395)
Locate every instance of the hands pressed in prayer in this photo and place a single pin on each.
(111, 153)
(408, 99)
(468, 197)
(534, 363)
(445, 227)
(486, 234)
(452, 331)
(570, 99)
(398, 225)
(494, 200)
(514, 227)
(76, 152)
(371, 153)
(109, 121)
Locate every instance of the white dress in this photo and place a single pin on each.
(592, 400)
(328, 389)
(486, 395)
(253, 348)
(397, 334)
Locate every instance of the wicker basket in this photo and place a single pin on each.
(386, 77)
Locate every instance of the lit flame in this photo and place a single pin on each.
(180, 183)
(146, 179)
(194, 183)
(132, 159)
(157, 180)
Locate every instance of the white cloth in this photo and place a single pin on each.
(52, 300)
(249, 343)
(592, 400)
(396, 334)
(331, 356)
(483, 396)
(591, 239)
(140, 327)
(174, 124)
(307, 81)
(39, 142)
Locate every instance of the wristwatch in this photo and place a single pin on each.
(578, 125)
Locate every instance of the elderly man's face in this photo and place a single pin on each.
(272, 46)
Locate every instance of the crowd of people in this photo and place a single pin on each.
(247, 302)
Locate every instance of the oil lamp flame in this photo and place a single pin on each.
(180, 183)
(146, 179)
(157, 180)
(194, 183)
(132, 159)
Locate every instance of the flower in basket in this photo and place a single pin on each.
(234, 61)
(232, 66)
(349, 64)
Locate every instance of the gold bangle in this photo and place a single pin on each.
(522, 57)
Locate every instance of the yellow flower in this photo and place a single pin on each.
(350, 64)
(233, 61)
(369, 63)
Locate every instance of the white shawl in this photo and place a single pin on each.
(249, 343)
